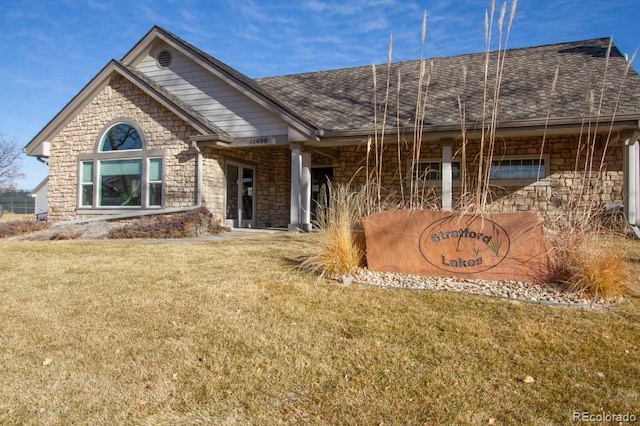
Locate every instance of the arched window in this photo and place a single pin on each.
(121, 173)
(121, 137)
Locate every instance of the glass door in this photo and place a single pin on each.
(240, 196)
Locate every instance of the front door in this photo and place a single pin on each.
(240, 196)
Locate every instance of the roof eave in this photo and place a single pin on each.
(559, 126)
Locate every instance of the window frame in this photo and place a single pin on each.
(83, 184)
(98, 156)
(543, 180)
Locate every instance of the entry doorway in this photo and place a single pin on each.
(240, 198)
(321, 177)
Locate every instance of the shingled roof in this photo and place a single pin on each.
(341, 99)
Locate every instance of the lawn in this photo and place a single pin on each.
(230, 333)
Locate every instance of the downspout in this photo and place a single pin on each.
(198, 204)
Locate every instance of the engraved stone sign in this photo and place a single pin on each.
(435, 243)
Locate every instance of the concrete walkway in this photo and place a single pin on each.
(233, 234)
(238, 233)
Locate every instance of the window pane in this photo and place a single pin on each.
(455, 170)
(120, 182)
(87, 195)
(121, 137)
(155, 169)
(120, 167)
(498, 171)
(518, 169)
(431, 170)
(87, 172)
(155, 194)
(232, 191)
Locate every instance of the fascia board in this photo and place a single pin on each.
(564, 126)
(134, 56)
(41, 185)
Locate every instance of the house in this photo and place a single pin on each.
(39, 194)
(169, 128)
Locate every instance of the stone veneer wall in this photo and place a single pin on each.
(561, 193)
(161, 128)
(272, 181)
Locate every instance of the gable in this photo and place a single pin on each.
(39, 145)
(216, 100)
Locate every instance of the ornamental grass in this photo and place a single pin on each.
(341, 249)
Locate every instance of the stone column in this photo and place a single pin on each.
(296, 170)
(447, 176)
(305, 192)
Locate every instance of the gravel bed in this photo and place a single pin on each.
(546, 294)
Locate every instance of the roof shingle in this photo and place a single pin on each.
(342, 99)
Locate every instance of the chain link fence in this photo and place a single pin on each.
(18, 202)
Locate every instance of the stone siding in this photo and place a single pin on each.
(161, 130)
(563, 190)
(165, 131)
(272, 181)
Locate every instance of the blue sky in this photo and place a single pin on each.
(49, 49)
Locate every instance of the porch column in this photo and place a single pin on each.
(631, 180)
(305, 192)
(296, 169)
(447, 176)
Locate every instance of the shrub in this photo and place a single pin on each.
(341, 249)
(193, 223)
(18, 227)
(588, 266)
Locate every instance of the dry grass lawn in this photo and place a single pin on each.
(230, 333)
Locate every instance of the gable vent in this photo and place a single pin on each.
(164, 58)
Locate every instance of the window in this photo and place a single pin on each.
(518, 168)
(120, 182)
(432, 170)
(121, 174)
(86, 179)
(121, 137)
(154, 181)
